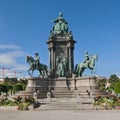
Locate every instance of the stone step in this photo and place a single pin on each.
(27, 94)
(65, 104)
(68, 94)
(60, 106)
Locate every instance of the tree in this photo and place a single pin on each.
(117, 87)
(17, 87)
(6, 80)
(113, 79)
(11, 81)
(10, 88)
(3, 88)
(102, 84)
(24, 82)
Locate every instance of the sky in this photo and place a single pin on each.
(25, 27)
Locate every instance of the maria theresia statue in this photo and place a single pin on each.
(89, 63)
(61, 25)
(34, 64)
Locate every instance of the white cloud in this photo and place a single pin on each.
(6, 60)
(12, 47)
(21, 67)
(10, 59)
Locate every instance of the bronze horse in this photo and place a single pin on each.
(80, 68)
(42, 68)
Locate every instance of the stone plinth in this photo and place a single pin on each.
(86, 83)
(40, 85)
(37, 84)
(69, 87)
(31, 85)
(81, 83)
(61, 87)
(61, 83)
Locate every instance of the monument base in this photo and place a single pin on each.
(86, 83)
(62, 87)
(81, 83)
(71, 87)
(35, 84)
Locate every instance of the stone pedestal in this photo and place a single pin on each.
(86, 83)
(61, 83)
(39, 85)
(69, 87)
(61, 50)
(31, 85)
(61, 87)
(81, 83)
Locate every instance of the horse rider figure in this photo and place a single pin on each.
(86, 61)
(37, 61)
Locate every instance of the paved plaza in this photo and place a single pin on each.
(60, 115)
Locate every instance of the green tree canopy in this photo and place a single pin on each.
(17, 87)
(3, 88)
(11, 81)
(117, 87)
(113, 79)
(102, 84)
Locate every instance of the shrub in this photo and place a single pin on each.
(17, 87)
(23, 106)
(3, 88)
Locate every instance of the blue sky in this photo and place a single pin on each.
(25, 27)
